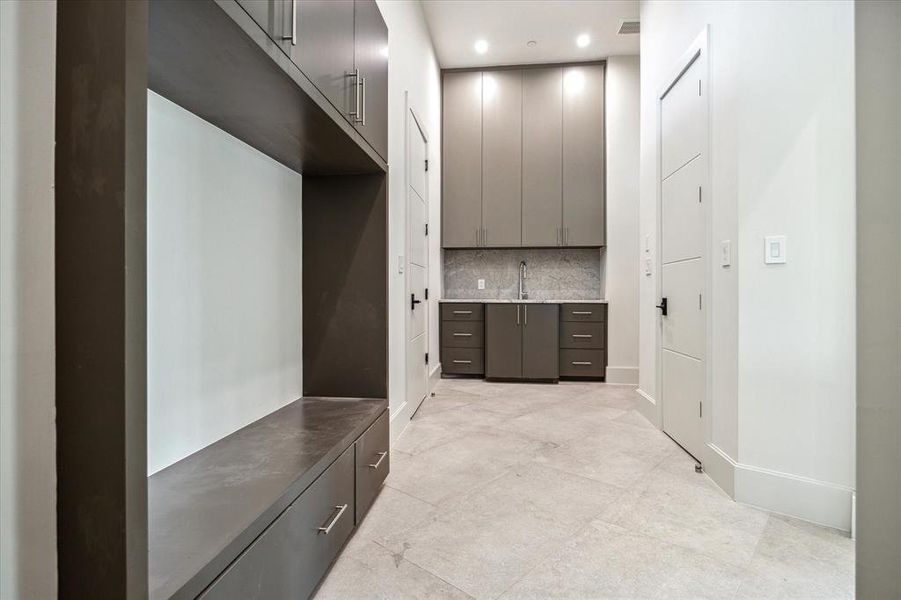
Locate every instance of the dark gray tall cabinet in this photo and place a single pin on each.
(521, 341)
(524, 157)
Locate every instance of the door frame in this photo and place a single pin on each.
(697, 50)
(412, 123)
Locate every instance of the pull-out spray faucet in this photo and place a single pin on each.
(522, 276)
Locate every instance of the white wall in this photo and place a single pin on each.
(413, 68)
(224, 283)
(782, 143)
(27, 435)
(621, 256)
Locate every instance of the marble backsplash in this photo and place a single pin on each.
(551, 273)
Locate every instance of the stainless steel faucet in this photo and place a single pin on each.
(522, 276)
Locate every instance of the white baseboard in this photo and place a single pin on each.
(804, 498)
(434, 377)
(627, 375)
(648, 408)
(720, 467)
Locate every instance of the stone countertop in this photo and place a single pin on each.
(515, 301)
(207, 508)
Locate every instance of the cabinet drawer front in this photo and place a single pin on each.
(373, 463)
(583, 312)
(462, 312)
(462, 361)
(582, 363)
(576, 334)
(294, 552)
(462, 334)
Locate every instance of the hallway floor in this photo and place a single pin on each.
(565, 491)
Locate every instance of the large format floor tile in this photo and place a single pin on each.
(566, 491)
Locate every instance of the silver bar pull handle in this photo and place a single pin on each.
(581, 312)
(327, 528)
(462, 312)
(356, 111)
(582, 335)
(462, 362)
(363, 102)
(376, 464)
(517, 314)
(293, 36)
(581, 363)
(525, 310)
(462, 335)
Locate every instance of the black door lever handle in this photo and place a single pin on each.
(662, 306)
(414, 301)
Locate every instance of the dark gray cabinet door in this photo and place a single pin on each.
(371, 61)
(542, 158)
(540, 341)
(324, 48)
(502, 158)
(373, 464)
(583, 155)
(270, 15)
(462, 160)
(503, 341)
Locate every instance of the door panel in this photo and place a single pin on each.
(503, 341)
(502, 158)
(325, 47)
(418, 239)
(270, 15)
(540, 341)
(462, 160)
(684, 377)
(371, 58)
(417, 266)
(683, 122)
(583, 155)
(417, 278)
(683, 214)
(684, 327)
(542, 156)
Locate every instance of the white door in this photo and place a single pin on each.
(683, 335)
(417, 264)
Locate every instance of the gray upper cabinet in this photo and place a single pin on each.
(583, 156)
(323, 47)
(542, 157)
(462, 160)
(371, 64)
(268, 14)
(524, 161)
(502, 158)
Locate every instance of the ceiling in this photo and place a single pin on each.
(508, 25)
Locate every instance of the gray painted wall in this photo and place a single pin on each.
(552, 273)
(224, 284)
(27, 434)
(878, 71)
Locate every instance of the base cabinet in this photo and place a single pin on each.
(521, 341)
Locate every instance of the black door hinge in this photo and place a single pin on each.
(426, 358)
(427, 293)
(426, 164)
(427, 229)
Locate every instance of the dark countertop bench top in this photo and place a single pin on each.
(204, 510)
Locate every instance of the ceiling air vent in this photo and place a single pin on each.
(627, 27)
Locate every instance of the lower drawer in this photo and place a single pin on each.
(463, 361)
(373, 463)
(582, 363)
(290, 557)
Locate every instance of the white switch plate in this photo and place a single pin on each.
(774, 249)
(726, 253)
(481, 284)
(647, 267)
(400, 263)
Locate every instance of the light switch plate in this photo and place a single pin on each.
(774, 250)
(726, 253)
(481, 284)
(400, 263)
(647, 267)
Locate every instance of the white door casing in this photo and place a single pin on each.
(417, 263)
(683, 258)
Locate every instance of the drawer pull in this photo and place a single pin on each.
(462, 335)
(582, 363)
(325, 530)
(462, 362)
(376, 464)
(462, 312)
(581, 312)
(582, 335)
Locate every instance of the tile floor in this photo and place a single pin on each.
(565, 491)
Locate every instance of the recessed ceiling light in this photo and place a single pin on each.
(583, 40)
(481, 46)
(531, 43)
